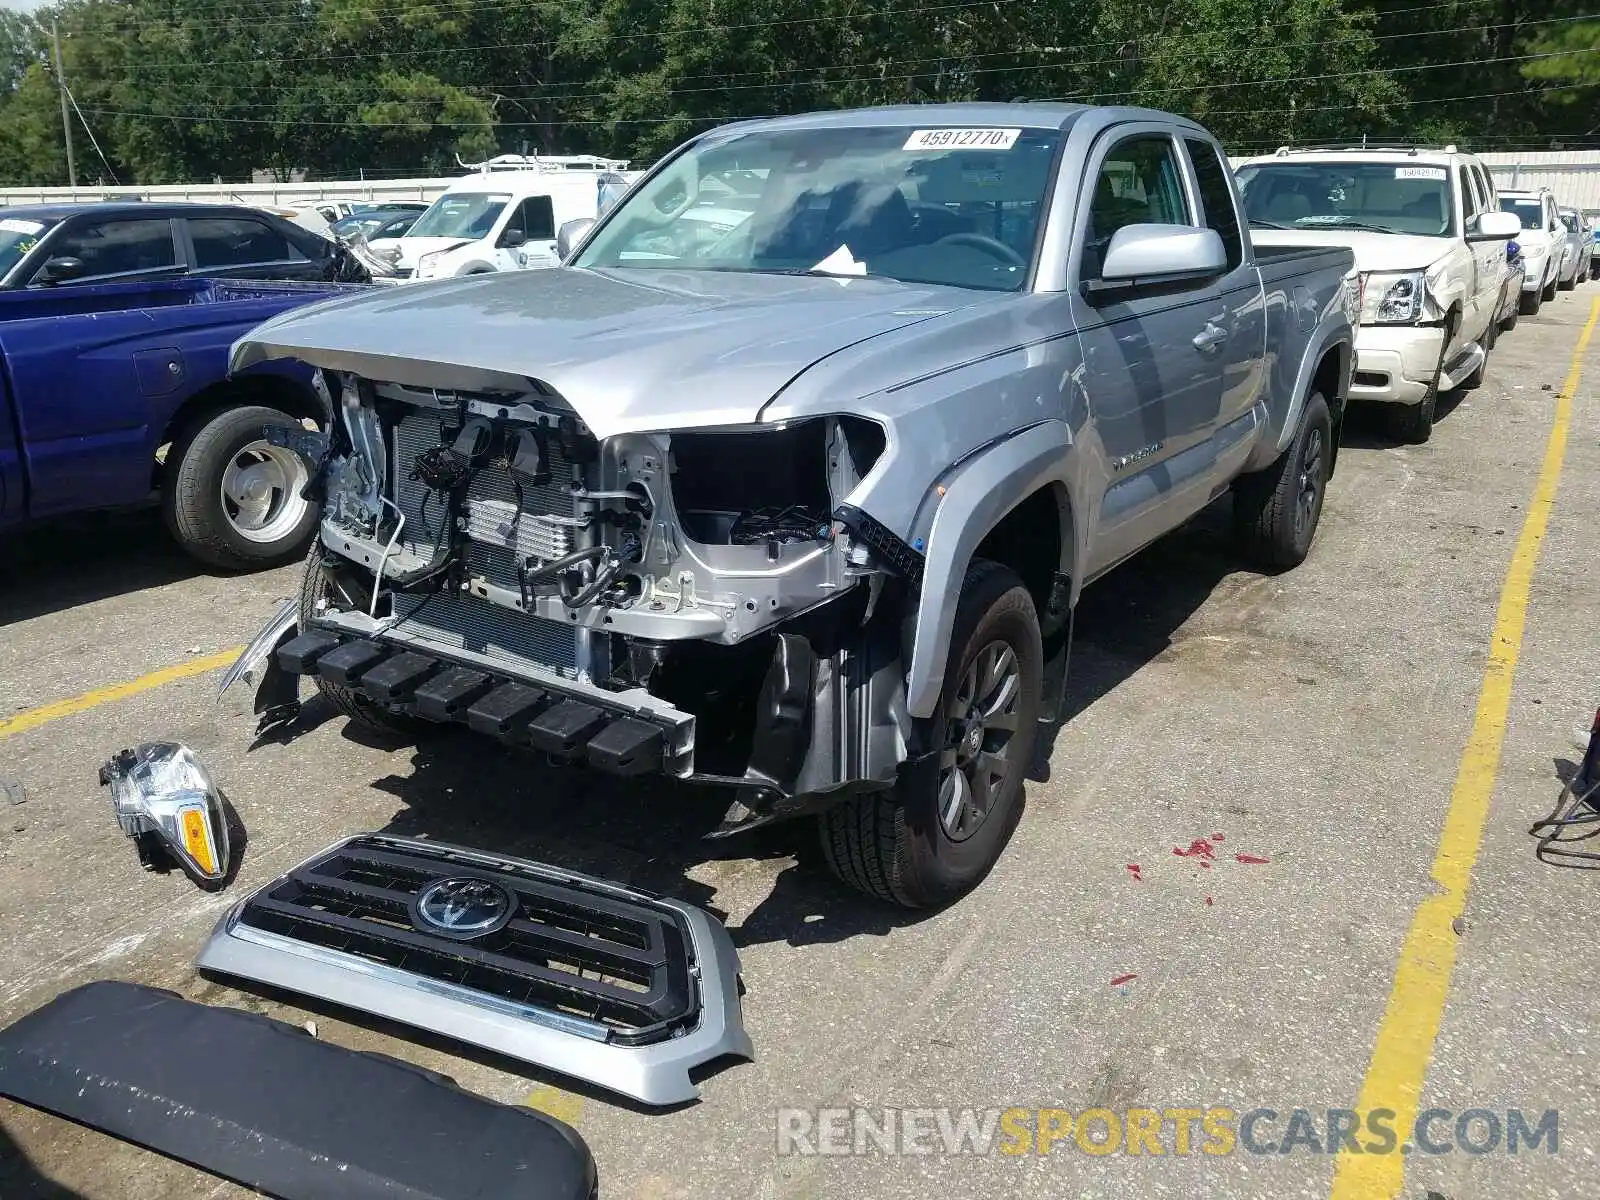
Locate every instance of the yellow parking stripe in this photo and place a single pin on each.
(35, 717)
(1410, 1027)
(553, 1102)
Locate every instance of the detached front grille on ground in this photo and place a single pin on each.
(625, 990)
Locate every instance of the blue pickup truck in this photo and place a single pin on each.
(112, 394)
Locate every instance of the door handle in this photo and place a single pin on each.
(1209, 338)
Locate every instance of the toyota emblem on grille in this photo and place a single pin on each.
(462, 908)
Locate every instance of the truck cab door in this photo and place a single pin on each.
(1239, 293)
(1154, 355)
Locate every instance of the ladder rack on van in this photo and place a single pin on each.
(551, 163)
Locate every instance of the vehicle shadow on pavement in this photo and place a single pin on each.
(648, 833)
(1364, 427)
(20, 1180)
(88, 557)
(1131, 616)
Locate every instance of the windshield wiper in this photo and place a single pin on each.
(1258, 223)
(1364, 226)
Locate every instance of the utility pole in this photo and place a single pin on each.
(66, 122)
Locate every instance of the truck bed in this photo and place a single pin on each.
(1277, 263)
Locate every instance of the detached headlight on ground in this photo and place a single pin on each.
(1393, 299)
(165, 801)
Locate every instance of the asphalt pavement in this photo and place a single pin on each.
(1207, 906)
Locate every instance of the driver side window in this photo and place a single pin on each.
(1138, 183)
(125, 247)
(535, 218)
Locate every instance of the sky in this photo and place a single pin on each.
(23, 5)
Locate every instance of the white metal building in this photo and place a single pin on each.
(1573, 175)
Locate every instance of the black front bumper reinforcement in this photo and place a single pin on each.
(576, 727)
(622, 989)
(267, 1105)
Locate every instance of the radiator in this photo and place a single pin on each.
(457, 620)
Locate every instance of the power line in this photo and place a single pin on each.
(1087, 97)
(653, 34)
(93, 141)
(502, 91)
(726, 118)
(833, 19)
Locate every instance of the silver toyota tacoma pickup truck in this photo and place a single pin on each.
(789, 479)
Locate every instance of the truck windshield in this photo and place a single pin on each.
(939, 205)
(17, 237)
(1381, 197)
(462, 215)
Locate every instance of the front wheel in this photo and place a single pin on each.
(1530, 303)
(1550, 290)
(1276, 511)
(944, 825)
(327, 583)
(231, 498)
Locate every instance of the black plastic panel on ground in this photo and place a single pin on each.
(268, 1106)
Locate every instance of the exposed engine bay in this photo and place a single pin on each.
(650, 571)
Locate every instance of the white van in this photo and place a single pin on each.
(502, 219)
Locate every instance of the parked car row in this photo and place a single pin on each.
(1448, 262)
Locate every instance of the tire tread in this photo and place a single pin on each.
(865, 840)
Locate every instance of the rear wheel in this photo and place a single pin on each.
(1275, 511)
(939, 831)
(1510, 321)
(232, 499)
(348, 588)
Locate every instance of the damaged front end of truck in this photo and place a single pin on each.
(706, 604)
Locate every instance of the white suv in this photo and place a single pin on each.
(1430, 243)
(1544, 244)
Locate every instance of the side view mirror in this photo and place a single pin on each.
(1162, 253)
(569, 235)
(166, 803)
(512, 238)
(61, 270)
(1493, 227)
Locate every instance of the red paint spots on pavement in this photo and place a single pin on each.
(1251, 859)
(1208, 901)
(1133, 869)
(1200, 848)
(1122, 979)
(1216, 837)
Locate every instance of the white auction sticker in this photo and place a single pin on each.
(1421, 173)
(962, 139)
(17, 225)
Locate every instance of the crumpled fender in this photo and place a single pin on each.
(983, 489)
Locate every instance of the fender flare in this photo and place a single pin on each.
(977, 496)
(1336, 338)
